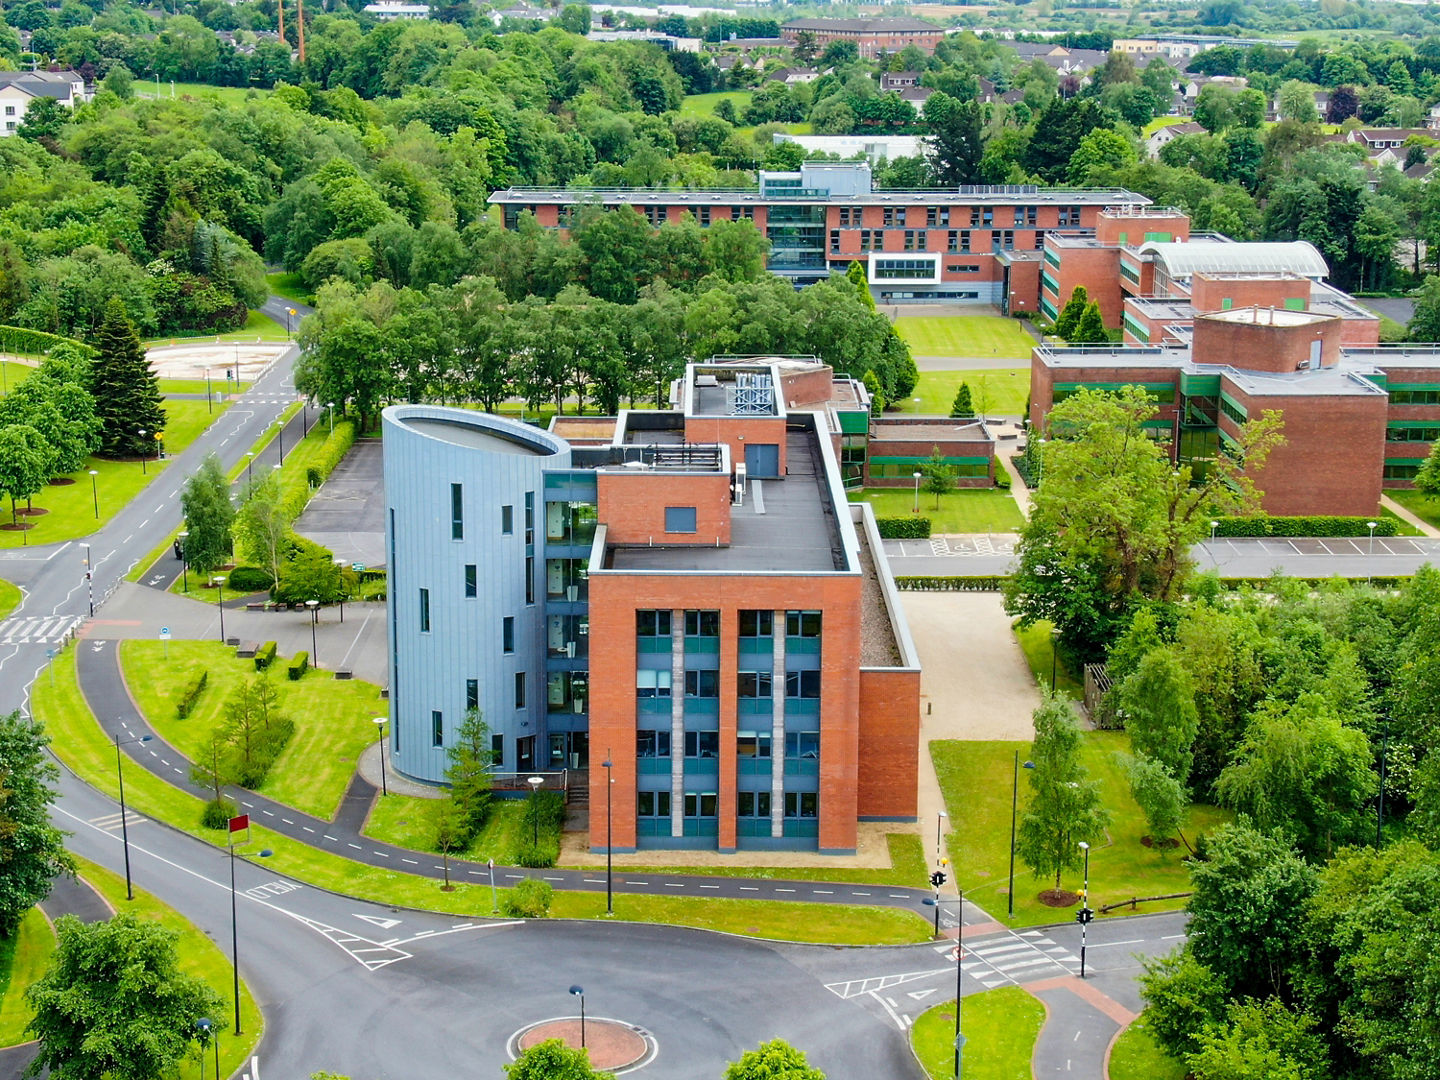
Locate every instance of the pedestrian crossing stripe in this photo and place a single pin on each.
(111, 822)
(37, 629)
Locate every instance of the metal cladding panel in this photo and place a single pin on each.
(428, 670)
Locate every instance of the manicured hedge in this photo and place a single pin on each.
(297, 486)
(934, 583)
(18, 339)
(1314, 525)
(265, 656)
(192, 694)
(903, 528)
(298, 665)
(250, 579)
(1002, 478)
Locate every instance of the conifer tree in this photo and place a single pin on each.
(962, 408)
(127, 393)
(1069, 317)
(1091, 328)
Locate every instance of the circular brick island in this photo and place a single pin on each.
(612, 1045)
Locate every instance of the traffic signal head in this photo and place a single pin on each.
(937, 878)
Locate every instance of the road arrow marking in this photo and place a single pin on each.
(383, 924)
(918, 994)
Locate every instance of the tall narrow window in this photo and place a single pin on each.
(529, 579)
(437, 728)
(507, 633)
(529, 517)
(497, 750)
(472, 694)
(457, 512)
(424, 611)
(507, 520)
(520, 689)
(471, 584)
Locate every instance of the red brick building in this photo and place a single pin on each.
(872, 37)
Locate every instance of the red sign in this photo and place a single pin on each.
(239, 823)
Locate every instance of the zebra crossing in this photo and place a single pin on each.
(1020, 957)
(37, 629)
(111, 822)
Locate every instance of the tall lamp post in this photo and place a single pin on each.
(219, 582)
(918, 474)
(142, 451)
(235, 931)
(1084, 915)
(1014, 803)
(184, 564)
(124, 829)
(380, 727)
(330, 408)
(95, 492)
(939, 828)
(206, 1027)
(1370, 550)
(579, 991)
(249, 467)
(314, 606)
(609, 864)
(89, 580)
(535, 782)
(959, 970)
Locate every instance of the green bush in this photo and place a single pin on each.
(191, 695)
(265, 656)
(545, 810)
(313, 477)
(976, 583)
(217, 813)
(1313, 525)
(299, 664)
(1002, 478)
(18, 339)
(528, 900)
(251, 774)
(903, 528)
(545, 853)
(250, 579)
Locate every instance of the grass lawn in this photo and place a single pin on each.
(1162, 122)
(1404, 527)
(994, 392)
(230, 95)
(257, 325)
(9, 598)
(291, 287)
(1000, 1028)
(198, 956)
(1038, 646)
(198, 386)
(333, 720)
(23, 959)
(966, 335)
(704, 104)
(72, 507)
(976, 779)
(1425, 507)
(965, 510)
(12, 373)
(83, 747)
(1137, 1056)
(409, 821)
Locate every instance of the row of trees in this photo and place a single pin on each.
(470, 343)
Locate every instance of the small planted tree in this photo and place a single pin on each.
(1064, 806)
(1069, 317)
(962, 408)
(24, 464)
(774, 1060)
(469, 773)
(209, 515)
(1090, 330)
(938, 480)
(1427, 477)
(1159, 795)
(32, 850)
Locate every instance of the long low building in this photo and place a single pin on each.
(684, 594)
(941, 245)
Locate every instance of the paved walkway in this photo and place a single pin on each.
(1404, 514)
(1081, 1022)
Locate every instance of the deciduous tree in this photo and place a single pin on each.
(1064, 806)
(209, 515)
(553, 1060)
(774, 1060)
(1158, 701)
(32, 851)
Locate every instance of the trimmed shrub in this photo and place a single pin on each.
(191, 695)
(313, 477)
(538, 855)
(1312, 525)
(299, 664)
(528, 900)
(250, 579)
(903, 528)
(545, 809)
(265, 656)
(267, 748)
(19, 339)
(1002, 478)
(217, 813)
(976, 583)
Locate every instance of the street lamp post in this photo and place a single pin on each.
(1369, 551)
(917, 474)
(1213, 526)
(579, 991)
(917, 405)
(209, 401)
(95, 492)
(939, 827)
(959, 966)
(1014, 803)
(535, 782)
(609, 849)
(219, 582)
(206, 1028)
(330, 408)
(249, 467)
(124, 829)
(1084, 914)
(235, 929)
(89, 581)
(380, 727)
(314, 606)
(142, 451)
(184, 564)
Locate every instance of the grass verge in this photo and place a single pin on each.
(333, 720)
(975, 778)
(1000, 1028)
(23, 959)
(1038, 645)
(12, 373)
(291, 287)
(198, 956)
(704, 104)
(81, 745)
(9, 598)
(993, 392)
(1425, 507)
(1137, 1056)
(215, 387)
(1403, 527)
(966, 335)
(965, 510)
(258, 326)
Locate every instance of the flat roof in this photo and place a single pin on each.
(1316, 382)
(1265, 316)
(552, 196)
(785, 525)
(465, 435)
(967, 431)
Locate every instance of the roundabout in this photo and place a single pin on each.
(614, 1045)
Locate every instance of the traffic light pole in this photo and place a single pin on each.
(1084, 915)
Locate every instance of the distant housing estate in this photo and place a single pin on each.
(19, 88)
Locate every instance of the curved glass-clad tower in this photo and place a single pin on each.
(464, 533)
